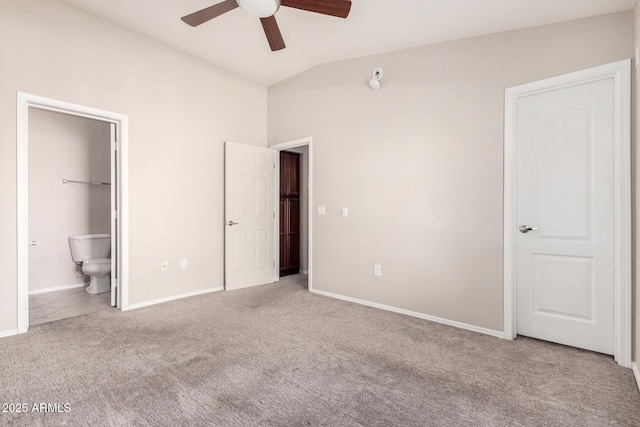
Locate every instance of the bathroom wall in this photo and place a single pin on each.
(63, 146)
(636, 197)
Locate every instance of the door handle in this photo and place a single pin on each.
(33, 243)
(233, 223)
(525, 229)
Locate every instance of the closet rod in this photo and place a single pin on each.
(65, 181)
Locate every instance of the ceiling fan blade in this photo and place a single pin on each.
(272, 32)
(339, 8)
(204, 15)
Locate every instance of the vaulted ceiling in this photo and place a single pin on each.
(235, 41)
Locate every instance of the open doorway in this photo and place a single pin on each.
(69, 196)
(293, 216)
(290, 214)
(72, 210)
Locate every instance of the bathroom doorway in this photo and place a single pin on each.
(71, 182)
(69, 194)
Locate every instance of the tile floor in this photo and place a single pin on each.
(58, 305)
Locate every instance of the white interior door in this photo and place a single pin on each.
(249, 213)
(115, 291)
(565, 244)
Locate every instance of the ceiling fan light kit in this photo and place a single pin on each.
(259, 8)
(266, 9)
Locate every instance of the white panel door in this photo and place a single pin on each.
(249, 213)
(565, 195)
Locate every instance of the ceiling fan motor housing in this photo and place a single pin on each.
(260, 8)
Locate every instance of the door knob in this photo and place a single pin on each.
(525, 229)
(233, 223)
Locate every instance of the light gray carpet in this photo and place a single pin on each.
(278, 355)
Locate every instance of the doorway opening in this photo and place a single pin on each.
(72, 210)
(69, 195)
(293, 219)
(290, 198)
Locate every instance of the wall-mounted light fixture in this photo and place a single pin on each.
(376, 75)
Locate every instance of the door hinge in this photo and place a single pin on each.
(115, 283)
(114, 215)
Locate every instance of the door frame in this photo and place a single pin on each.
(307, 141)
(24, 102)
(620, 72)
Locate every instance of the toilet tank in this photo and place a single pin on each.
(90, 246)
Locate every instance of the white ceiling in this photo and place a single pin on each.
(235, 41)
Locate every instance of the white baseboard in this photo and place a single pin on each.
(8, 333)
(636, 373)
(466, 326)
(167, 299)
(57, 288)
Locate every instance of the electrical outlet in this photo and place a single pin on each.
(164, 266)
(344, 212)
(321, 210)
(183, 263)
(377, 270)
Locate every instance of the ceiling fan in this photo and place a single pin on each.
(266, 9)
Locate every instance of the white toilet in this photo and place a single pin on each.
(92, 251)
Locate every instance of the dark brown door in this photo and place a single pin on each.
(289, 213)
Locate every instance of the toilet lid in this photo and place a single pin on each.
(98, 261)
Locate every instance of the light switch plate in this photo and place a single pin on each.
(377, 270)
(344, 212)
(321, 210)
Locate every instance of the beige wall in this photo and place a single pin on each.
(180, 112)
(419, 163)
(64, 147)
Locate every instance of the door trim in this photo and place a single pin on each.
(307, 141)
(24, 102)
(620, 72)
